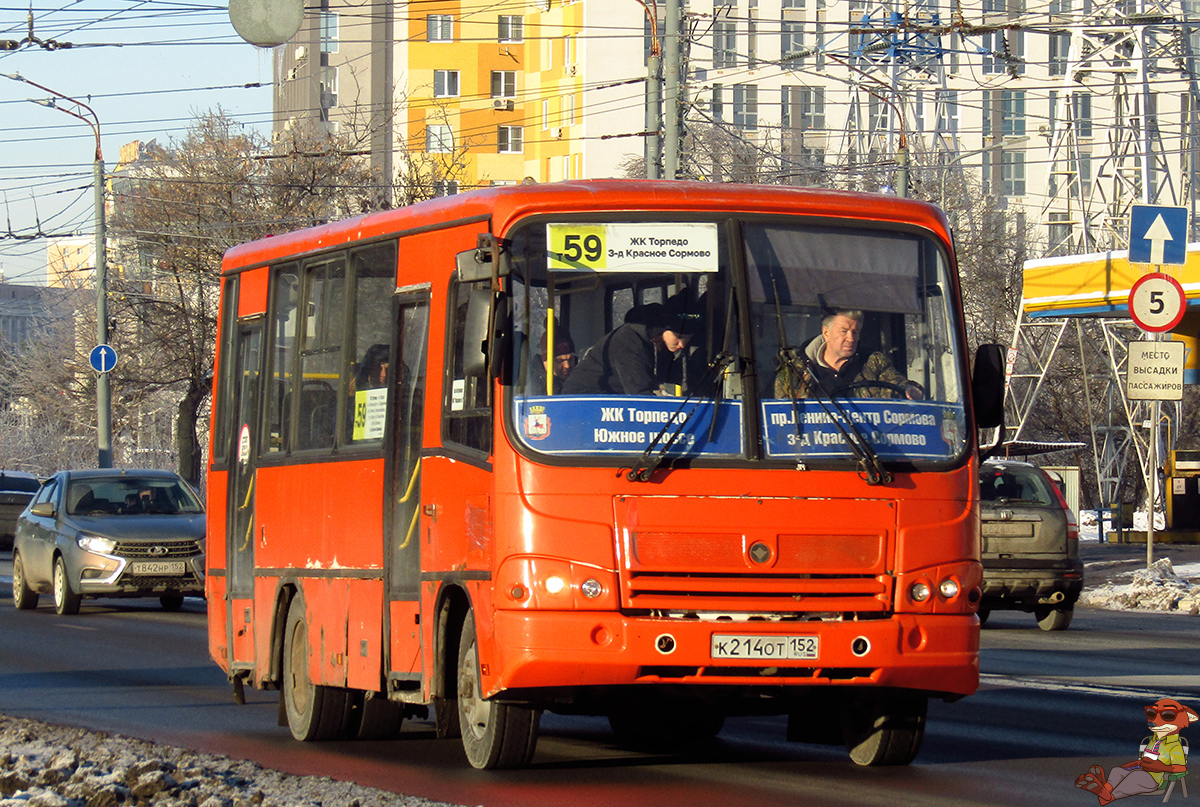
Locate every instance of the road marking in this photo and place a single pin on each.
(1099, 685)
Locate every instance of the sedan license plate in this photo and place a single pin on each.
(783, 648)
(158, 567)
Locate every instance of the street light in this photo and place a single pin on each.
(103, 391)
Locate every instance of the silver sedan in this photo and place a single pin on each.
(110, 533)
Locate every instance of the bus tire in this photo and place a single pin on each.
(314, 712)
(494, 735)
(883, 728)
(379, 718)
(24, 597)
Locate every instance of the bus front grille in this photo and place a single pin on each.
(757, 593)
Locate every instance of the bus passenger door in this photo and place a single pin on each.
(403, 484)
(239, 538)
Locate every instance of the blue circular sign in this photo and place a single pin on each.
(103, 358)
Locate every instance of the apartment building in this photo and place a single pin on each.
(1067, 111)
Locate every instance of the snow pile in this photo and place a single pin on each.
(1157, 588)
(56, 766)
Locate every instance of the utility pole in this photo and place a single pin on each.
(671, 92)
(103, 390)
(653, 134)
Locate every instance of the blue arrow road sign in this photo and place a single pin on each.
(103, 358)
(1158, 235)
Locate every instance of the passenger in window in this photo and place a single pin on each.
(372, 371)
(834, 358)
(563, 361)
(639, 357)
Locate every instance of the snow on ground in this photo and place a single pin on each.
(1161, 587)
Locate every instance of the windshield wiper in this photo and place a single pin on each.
(646, 465)
(868, 458)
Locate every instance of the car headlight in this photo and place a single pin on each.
(94, 543)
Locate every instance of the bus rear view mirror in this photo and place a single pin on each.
(475, 332)
(987, 386)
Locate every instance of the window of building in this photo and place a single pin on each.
(329, 88)
(858, 10)
(717, 105)
(545, 114)
(812, 108)
(1059, 232)
(568, 114)
(947, 111)
(745, 107)
(329, 31)
(1012, 113)
(791, 40)
(439, 28)
(724, 44)
(445, 83)
(568, 51)
(1060, 45)
(1012, 173)
(445, 187)
(1081, 110)
(512, 28)
(510, 139)
(439, 138)
(504, 83)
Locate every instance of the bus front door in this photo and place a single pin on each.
(239, 537)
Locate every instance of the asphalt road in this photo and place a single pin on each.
(1050, 705)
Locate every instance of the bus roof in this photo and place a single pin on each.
(505, 204)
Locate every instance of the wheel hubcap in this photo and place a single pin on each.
(470, 698)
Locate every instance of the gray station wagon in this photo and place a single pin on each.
(1030, 544)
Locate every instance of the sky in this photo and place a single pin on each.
(146, 67)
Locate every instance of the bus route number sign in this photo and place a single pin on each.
(632, 247)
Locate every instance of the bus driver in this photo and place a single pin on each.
(636, 358)
(833, 357)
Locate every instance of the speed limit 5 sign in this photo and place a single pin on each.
(1157, 302)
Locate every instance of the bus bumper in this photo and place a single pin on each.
(937, 654)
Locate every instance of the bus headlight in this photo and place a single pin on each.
(919, 591)
(591, 588)
(948, 588)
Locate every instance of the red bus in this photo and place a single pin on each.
(661, 452)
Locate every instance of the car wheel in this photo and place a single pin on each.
(314, 712)
(494, 735)
(171, 601)
(1054, 618)
(24, 597)
(66, 601)
(884, 728)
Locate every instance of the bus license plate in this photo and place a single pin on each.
(158, 567)
(765, 647)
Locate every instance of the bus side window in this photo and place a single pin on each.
(374, 271)
(284, 299)
(321, 353)
(467, 416)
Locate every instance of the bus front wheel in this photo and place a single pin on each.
(314, 712)
(494, 735)
(884, 728)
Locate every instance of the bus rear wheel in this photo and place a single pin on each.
(494, 735)
(314, 712)
(884, 728)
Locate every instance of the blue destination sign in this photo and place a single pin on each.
(626, 424)
(896, 429)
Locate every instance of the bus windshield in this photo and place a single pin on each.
(629, 340)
